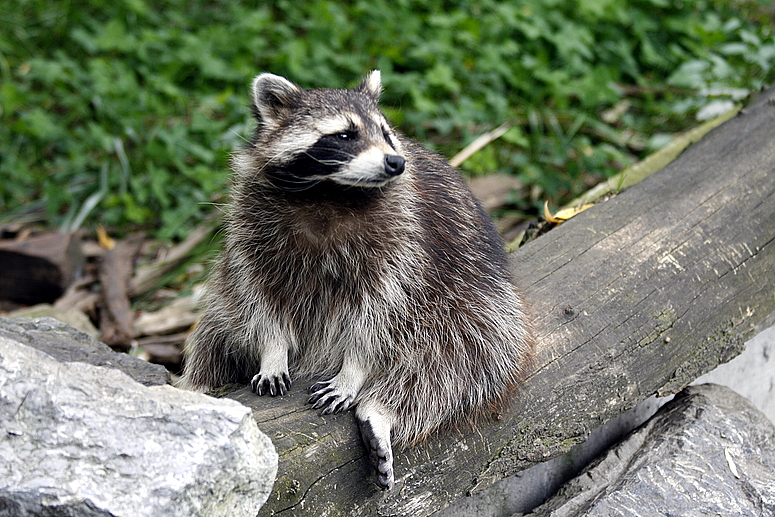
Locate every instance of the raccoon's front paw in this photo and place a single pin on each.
(331, 395)
(277, 384)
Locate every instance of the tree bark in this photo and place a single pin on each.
(638, 295)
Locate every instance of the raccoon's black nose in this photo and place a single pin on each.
(394, 164)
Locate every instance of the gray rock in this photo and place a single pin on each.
(707, 452)
(751, 374)
(77, 439)
(72, 317)
(65, 343)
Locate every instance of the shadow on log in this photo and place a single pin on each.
(638, 295)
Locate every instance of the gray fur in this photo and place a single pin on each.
(389, 288)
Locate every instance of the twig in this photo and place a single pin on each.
(114, 274)
(652, 163)
(147, 277)
(478, 144)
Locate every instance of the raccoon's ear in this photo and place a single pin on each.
(273, 96)
(372, 85)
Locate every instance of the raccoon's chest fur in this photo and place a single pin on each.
(321, 231)
(319, 264)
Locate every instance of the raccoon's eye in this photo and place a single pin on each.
(346, 136)
(386, 136)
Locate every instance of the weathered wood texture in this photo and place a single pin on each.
(115, 273)
(635, 296)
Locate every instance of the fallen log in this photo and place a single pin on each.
(38, 269)
(638, 295)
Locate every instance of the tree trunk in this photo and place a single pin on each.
(638, 295)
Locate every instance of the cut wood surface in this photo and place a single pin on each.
(635, 296)
(38, 269)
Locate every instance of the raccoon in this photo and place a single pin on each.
(356, 259)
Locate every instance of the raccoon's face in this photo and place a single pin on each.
(311, 136)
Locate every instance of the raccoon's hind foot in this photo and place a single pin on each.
(375, 431)
(332, 396)
(274, 385)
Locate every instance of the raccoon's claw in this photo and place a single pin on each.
(327, 395)
(380, 454)
(272, 384)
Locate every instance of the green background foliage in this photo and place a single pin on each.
(124, 113)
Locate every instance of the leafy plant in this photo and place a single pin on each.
(124, 113)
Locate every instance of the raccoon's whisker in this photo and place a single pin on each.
(272, 160)
(288, 182)
(343, 152)
(348, 155)
(241, 137)
(329, 161)
(293, 183)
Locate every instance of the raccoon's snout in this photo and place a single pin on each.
(394, 165)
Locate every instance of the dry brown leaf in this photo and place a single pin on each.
(105, 240)
(564, 214)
